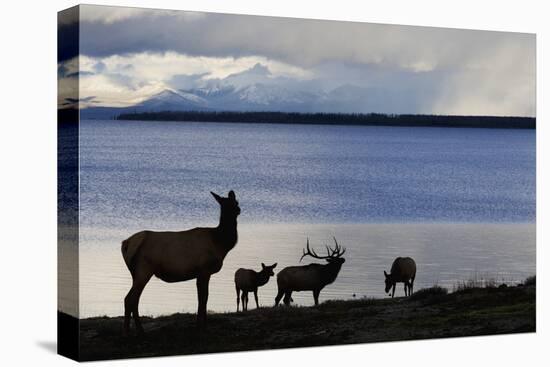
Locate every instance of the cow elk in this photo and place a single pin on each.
(312, 277)
(403, 270)
(179, 256)
(247, 280)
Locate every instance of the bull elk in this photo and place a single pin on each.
(312, 277)
(403, 270)
(247, 280)
(179, 256)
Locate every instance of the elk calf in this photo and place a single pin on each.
(312, 277)
(247, 280)
(403, 270)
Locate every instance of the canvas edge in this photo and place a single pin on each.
(68, 42)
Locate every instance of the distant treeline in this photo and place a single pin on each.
(371, 119)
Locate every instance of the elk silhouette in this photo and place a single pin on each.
(403, 270)
(312, 277)
(247, 280)
(179, 256)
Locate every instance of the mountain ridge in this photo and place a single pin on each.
(255, 96)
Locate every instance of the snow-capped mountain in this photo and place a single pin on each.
(167, 100)
(255, 89)
(255, 97)
(170, 100)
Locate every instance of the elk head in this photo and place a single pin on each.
(268, 270)
(389, 281)
(229, 205)
(334, 255)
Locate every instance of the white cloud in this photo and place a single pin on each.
(162, 66)
(128, 79)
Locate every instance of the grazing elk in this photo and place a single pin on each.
(178, 256)
(312, 277)
(247, 280)
(403, 270)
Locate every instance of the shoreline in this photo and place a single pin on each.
(336, 119)
(427, 314)
(445, 255)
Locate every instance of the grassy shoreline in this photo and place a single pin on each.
(468, 312)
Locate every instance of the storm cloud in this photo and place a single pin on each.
(416, 69)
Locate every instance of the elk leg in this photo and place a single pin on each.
(243, 298)
(256, 298)
(131, 301)
(238, 297)
(288, 297)
(393, 291)
(412, 286)
(137, 320)
(406, 288)
(127, 311)
(202, 291)
(135, 312)
(316, 296)
(280, 294)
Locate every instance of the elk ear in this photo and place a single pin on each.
(263, 266)
(217, 197)
(385, 274)
(231, 195)
(273, 266)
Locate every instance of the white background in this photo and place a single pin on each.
(28, 182)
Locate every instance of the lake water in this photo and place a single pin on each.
(460, 201)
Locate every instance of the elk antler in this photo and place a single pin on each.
(331, 253)
(309, 252)
(338, 251)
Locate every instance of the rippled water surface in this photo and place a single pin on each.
(460, 201)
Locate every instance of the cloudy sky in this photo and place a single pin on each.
(127, 55)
